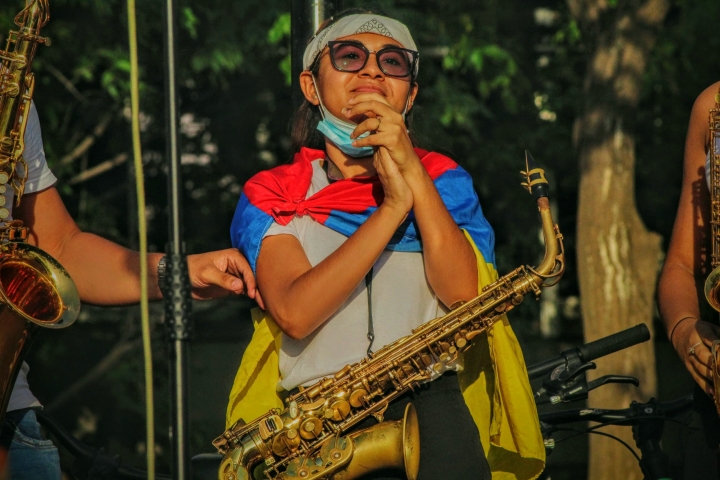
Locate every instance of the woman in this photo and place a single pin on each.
(335, 240)
(680, 291)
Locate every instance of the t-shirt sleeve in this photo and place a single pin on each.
(277, 229)
(39, 176)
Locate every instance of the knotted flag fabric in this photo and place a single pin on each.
(279, 194)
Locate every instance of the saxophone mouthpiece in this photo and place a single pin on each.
(535, 181)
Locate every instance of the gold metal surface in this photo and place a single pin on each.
(35, 291)
(322, 412)
(712, 283)
(17, 84)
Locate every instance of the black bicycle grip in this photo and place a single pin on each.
(591, 351)
(613, 343)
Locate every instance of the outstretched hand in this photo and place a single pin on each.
(692, 341)
(221, 273)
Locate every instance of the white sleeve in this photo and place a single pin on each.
(39, 175)
(277, 229)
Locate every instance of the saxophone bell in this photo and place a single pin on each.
(35, 291)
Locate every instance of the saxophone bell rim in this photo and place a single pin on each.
(712, 289)
(49, 270)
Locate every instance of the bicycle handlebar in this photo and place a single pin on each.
(625, 416)
(591, 351)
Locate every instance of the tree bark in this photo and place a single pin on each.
(618, 258)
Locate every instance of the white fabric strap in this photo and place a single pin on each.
(354, 25)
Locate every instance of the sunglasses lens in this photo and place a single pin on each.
(348, 57)
(395, 62)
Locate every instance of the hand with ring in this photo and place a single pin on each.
(386, 127)
(692, 340)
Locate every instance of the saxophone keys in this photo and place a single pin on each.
(343, 372)
(338, 411)
(460, 341)
(269, 426)
(286, 442)
(311, 428)
(358, 397)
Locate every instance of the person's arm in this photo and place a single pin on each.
(450, 263)
(301, 297)
(680, 289)
(108, 274)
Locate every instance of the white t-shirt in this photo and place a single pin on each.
(401, 300)
(39, 178)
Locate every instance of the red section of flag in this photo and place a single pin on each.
(281, 192)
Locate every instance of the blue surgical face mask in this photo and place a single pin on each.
(338, 131)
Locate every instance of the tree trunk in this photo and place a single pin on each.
(618, 258)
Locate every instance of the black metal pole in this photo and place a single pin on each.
(177, 286)
(305, 18)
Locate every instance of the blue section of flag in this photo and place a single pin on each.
(248, 228)
(455, 187)
(457, 192)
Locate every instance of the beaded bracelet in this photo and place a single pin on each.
(675, 326)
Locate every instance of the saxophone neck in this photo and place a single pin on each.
(552, 264)
(33, 17)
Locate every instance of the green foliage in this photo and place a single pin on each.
(280, 29)
(279, 32)
(190, 22)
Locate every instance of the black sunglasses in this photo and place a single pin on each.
(353, 56)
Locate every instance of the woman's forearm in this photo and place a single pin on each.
(312, 294)
(678, 296)
(450, 263)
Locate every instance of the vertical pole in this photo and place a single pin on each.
(176, 290)
(306, 17)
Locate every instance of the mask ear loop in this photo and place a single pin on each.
(317, 92)
(407, 101)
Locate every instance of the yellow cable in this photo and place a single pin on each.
(142, 234)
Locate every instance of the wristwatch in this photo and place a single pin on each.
(162, 272)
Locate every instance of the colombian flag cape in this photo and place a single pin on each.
(494, 382)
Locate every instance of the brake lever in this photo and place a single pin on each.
(592, 385)
(564, 384)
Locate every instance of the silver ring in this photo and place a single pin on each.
(692, 349)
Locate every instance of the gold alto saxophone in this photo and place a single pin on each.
(305, 440)
(34, 289)
(712, 283)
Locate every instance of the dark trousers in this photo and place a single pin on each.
(703, 441)
(450, 446)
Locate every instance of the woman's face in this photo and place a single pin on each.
(336, 87)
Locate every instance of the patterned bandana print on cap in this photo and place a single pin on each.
(356, 24)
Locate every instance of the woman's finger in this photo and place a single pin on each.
(382, 138)
(372, 108)
(371, 125)
(701, 369)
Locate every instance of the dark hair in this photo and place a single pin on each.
(303, 128)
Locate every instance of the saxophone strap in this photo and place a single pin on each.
(371, 328)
